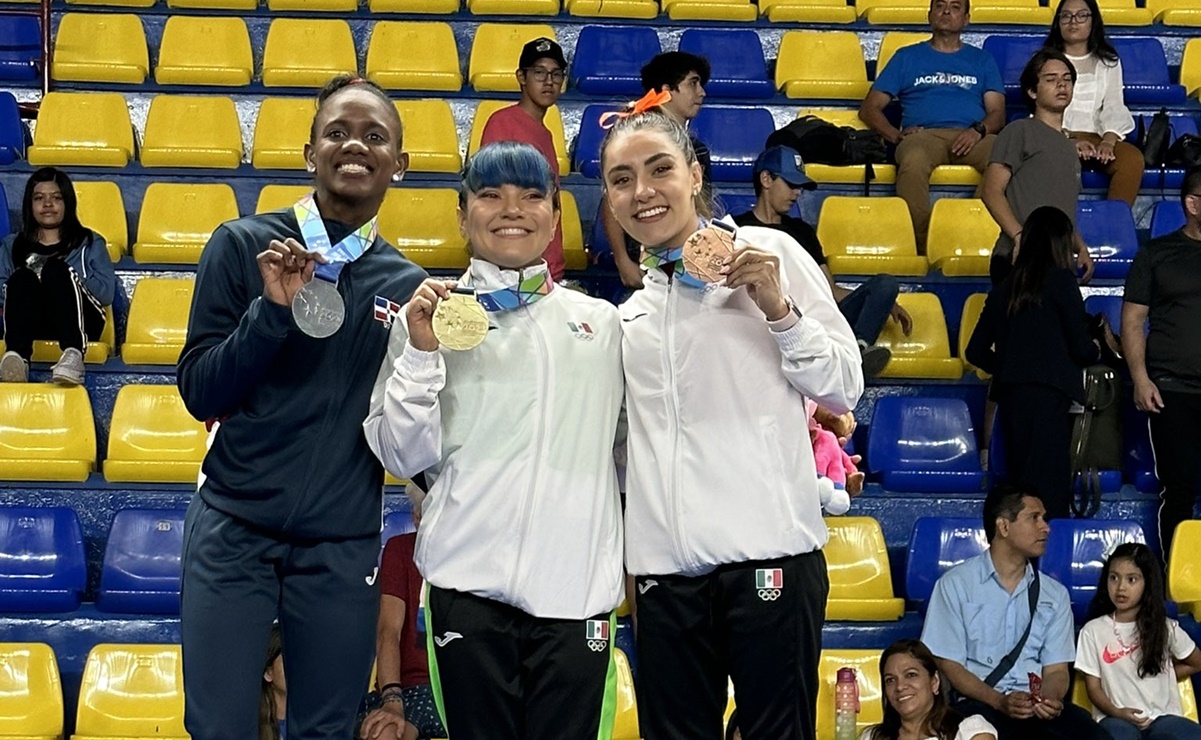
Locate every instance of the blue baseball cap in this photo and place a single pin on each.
(785, 163)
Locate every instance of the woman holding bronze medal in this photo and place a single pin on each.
(286, 522)
(506, 391)
(731, 333)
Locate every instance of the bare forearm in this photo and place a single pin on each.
(998, 206)
(874, 117)
(1055, 684)
(1098, 697)
(387, 665)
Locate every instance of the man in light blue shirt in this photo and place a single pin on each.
(978, 613)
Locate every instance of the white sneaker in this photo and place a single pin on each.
(13, 368)
(874, 357)
(69, 368)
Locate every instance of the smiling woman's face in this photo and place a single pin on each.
(509, 226)
(908, 687)
(651, 188)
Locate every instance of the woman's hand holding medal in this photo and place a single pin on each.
(420, 313)
(759, 271)
(286, 266)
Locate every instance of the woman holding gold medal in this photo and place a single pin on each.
(733, 330)
(506, 391)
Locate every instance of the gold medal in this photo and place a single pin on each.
(460, 322)
(705, 253)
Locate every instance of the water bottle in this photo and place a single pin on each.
(846, 705)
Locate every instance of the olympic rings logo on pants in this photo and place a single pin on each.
(769, 594)
(597, 646)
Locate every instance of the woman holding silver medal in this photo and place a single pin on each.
(506, 391)
(286, 317)
(732, 332)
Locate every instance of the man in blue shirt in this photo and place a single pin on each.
(952, 102)
(978, 614)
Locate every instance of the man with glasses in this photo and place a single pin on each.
(1164, 286)
(540, 73)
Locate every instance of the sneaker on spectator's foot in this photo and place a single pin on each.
(874, 358)
(13, 368)
(69, 368)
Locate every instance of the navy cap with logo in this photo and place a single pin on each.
(541, 48)
(785, 163)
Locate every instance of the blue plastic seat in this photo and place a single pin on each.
(20, 47)
(1012, 53)
(735, 137)
(1108, 229)
(141, 570)
(924, 445)
(1145, 78)
(1168, 178)
(738, 67)
(396, 523)
(1110, 480)
(4, 212)
(1110, 305)
(1166, 217)
(938, 544)
(608, 59)
(13, 135)
(587, 144)
(1139, 464)
(1076, 554)
(43, 567)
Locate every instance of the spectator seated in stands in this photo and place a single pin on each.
(1003, 634)
(952, 102)
(540, 73)
(56, 277)
(779, 179)
(1097, 119)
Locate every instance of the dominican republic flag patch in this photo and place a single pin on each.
(580, 330)
(386, 310)
(769, 578)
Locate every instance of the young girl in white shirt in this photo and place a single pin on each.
(1131, 655)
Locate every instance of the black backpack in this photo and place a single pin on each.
(1184, 153)
(1155, 139)
(821, 142)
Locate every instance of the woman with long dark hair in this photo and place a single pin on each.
(273, 696)
(1033, 338)
(57, 278)
(1097, 119)
(915, 701)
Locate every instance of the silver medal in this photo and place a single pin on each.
(318, 308)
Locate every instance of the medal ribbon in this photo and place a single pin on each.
(312, 228)
(653, 259)
(528, 290)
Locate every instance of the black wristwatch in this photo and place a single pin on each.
(979, 128)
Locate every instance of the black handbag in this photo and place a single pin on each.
(1096, 437)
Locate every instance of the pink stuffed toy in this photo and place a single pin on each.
(838, 477)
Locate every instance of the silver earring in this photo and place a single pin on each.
(397, 177)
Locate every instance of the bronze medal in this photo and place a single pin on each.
(460, 322)
(705, 253)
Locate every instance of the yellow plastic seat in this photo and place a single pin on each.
(625, 725)
(275, 197)
(116, 3)
(821, 64)
(421, 223)
(553, 121)
(430, 136)
(1184, 567)
(807, 11)
(871, 694)
(1125, 13)
(962, 235)
(430, 7)
(100, 47)
(153, 438)
(867, 236)
(46, 433)
(575, 257)
(712, 10)
(513, 7)
(282, 129)
(1190, 64)
(131, 691)
(972, 308)
(307, 53)
(926, 353)
(204, 50)
(1188, 698)
(213, 4)
(102, 209)
(414, 56)
(158, 321)
(90, 129)
(893, 12)
(177, 220)
(851, 174)
(894, 40)
(314, 6)
(495, 53)
(192, 131)
(1176, 13)
(1013, 13)
(641, 9)
(32, 691)
(860, 576)
(97, 352)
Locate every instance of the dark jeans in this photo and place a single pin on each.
(868, 306)
(1073, 723)
(1167, 727)
(1176, 438)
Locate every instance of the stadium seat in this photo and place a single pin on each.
(243, 5)
(414, 56)
(32, 691)
(860, 577)
(21, 47)
(204, 50)
(1166, 216)
(275, 197)
(1138, 466)
(1076, 554)
(158, 321)
(1145, 76)
(587, 144)
(822, 64)
(893, 12)
(807, 11)
(102, 209)
(640, 9)
(97, 353)
(625, 724)
(871, 694)
(726, 11)
(1110, 305)
(1125, 13)
(495, 51)
(192, 131)
(98, 47)
(575, 257)
(43, 566)
(894, 40)
(396, 523)
(307, 53)
(310, 6)
(972, 309)
(89, 129)
(14, 137)
(920, 444)
(962, 235)
(421, 223)
(46, 433)
(153, 438)
(177, 220)
(852, 174)
(513, 7)
(609, 59)
(1190, 62)
(939, 543)
(1012, 13)
(1184, 565)
(1107, 227)
(131, 691)
(735, 136)
(1110, 480)
(423, 7)
(1165, 178)
(281, 130)
(141, 570)
(738, 67)
(430, 136)
(553, 121)
(1011, 54)
(867, 236)
(120, 3)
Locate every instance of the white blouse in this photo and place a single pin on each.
(1097, 106)
(969, 728)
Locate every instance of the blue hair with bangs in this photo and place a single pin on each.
(507, 163)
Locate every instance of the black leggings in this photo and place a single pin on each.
(54, 306)
(1037, 425)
